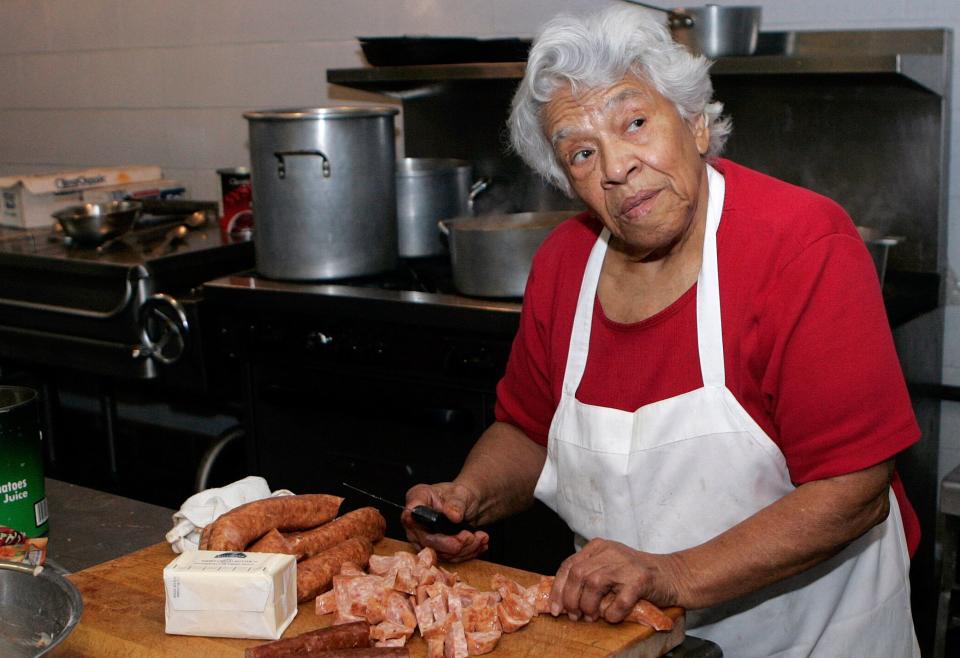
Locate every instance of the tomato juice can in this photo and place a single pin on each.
(23, 501)
(236, 216)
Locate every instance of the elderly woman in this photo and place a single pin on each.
(704, 385)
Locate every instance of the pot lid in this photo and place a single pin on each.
(317, 113)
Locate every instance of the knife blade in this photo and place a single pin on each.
(432, 520)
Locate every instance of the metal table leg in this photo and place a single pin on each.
(948, 536)
(108, 411)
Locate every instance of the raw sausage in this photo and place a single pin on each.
(272, 542)
(364, 522)
(240, 526)
(372, 652)
(315, 574)
(345, 636)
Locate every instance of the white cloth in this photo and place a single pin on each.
(676, 473)
(205, 506)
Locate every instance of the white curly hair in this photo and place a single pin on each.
(597, 50)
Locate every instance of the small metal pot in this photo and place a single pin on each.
(717, 31)
(491, 255)
(430, 189)
(714, 30)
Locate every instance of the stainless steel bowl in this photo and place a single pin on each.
(36, 612)
(717, 31)
(95, 223)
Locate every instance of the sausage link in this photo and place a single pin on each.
(344, 636)
(272, 542)
(315, 574)
(364, 522)
(372, 652)
(236, 529)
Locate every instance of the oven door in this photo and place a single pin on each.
(314, 429)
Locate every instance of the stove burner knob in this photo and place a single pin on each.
(164, 329)
(317, 340)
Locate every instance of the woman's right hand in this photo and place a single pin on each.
(457, 503)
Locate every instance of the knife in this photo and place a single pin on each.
(432, 520)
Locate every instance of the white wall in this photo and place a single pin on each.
(104, 82)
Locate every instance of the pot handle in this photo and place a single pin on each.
(476, 190)
(444, 227)
(282, 166)
(675, 19)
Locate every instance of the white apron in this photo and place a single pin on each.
(676, 473)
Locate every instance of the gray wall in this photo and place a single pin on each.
(106, 82)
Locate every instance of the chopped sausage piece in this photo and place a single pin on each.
(360, 596)
(334, 637)
(647, 613)
(372, 652)
(455, 642)
(541, 595)
(381, 564)
(435, 647)
(427, 558)
(514, 612)
(387, 631)
(351, 569)
(480, 617)
(400, 611)
(405, 580)
(481, 642)
(238, 528)
(315, 574)
(326, 603)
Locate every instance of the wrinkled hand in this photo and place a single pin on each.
(606, 579)
(457, 503)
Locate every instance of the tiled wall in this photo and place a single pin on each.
(101, 82)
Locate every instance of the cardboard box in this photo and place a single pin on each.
(149, 189)
(230, 594)
(28, 201)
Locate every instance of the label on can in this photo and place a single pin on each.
(23, 503)
(236, 195)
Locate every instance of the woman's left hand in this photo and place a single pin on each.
(606, 579)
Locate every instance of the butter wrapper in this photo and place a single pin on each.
(230, 594)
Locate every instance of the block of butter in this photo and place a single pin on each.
(230, 594)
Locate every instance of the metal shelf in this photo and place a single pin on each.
(920, 56)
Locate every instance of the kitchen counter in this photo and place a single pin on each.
(88, 527)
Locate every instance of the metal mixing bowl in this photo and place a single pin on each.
(36, 612)
(94, 223)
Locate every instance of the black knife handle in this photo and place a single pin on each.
(436, 522)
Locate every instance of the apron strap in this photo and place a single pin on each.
(709, 332)
(583, 319)
(709, 329)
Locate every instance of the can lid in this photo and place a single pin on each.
(317, 113)
(236, 171)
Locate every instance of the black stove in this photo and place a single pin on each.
(107, 311)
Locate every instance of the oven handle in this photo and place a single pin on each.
(128, 293)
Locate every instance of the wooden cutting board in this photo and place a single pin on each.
(123, 617)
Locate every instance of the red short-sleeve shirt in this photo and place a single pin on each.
(807, 346)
